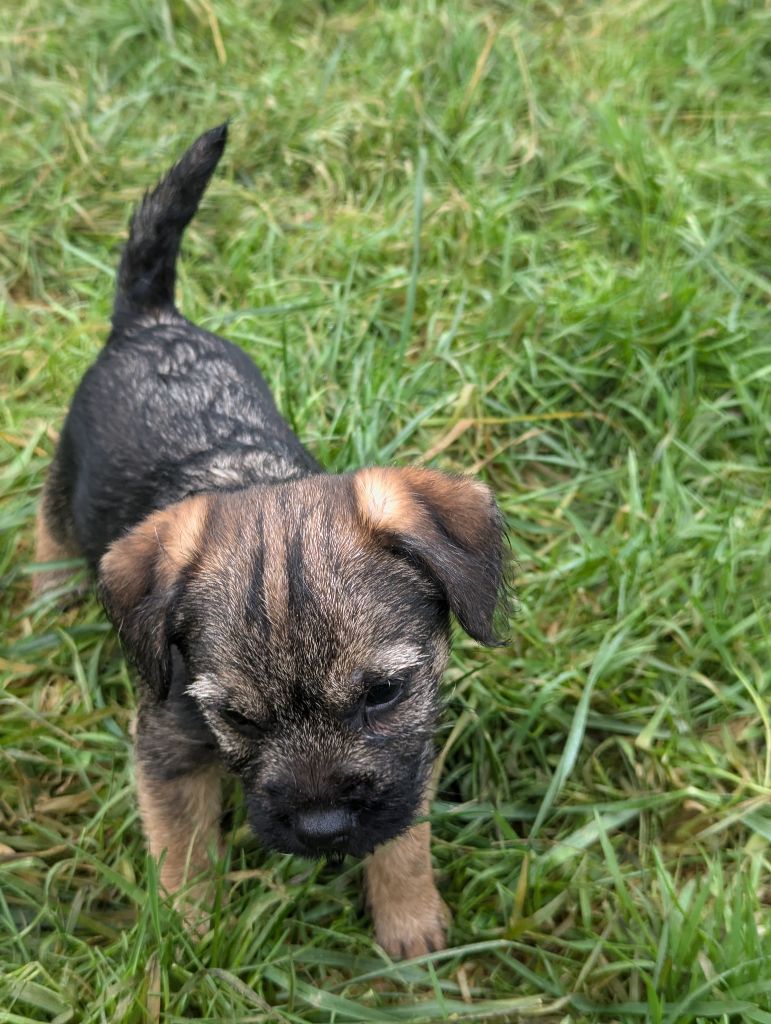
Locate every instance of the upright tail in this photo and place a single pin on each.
(147, 270)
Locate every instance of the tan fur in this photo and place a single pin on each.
(409, 915)
(182, 527)
(393, 500)
(385, 500)
(173, 533)
(181, 819)
(48, 549)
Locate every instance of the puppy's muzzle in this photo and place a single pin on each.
(331, 819)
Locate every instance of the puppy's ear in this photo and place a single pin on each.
(140, 581)
(451, 526)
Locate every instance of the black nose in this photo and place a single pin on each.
(328, 829)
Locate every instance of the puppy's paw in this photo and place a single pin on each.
(194, 905)
(64, 588)
(412, 928)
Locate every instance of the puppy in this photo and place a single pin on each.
(287, 625)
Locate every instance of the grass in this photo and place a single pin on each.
(527, 241)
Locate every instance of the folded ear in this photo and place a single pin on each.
(140, 581)
(451, 526)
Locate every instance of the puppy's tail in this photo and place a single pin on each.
(147, 270)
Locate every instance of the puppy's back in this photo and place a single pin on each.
(168, 409)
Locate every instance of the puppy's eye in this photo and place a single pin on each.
(383, 694)
(246, 726)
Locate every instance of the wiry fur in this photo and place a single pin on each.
(261, 599)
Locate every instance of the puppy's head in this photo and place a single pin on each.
(313, 621)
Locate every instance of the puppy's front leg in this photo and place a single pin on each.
(180, 800)
(181, 820)
(410, 917)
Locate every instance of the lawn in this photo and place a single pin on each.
(527, 241)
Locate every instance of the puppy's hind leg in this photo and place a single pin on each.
(53, 537)
(409, 914)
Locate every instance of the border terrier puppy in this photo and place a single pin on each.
(288, 626)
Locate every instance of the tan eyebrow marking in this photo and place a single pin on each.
(397, 658)
(206, 689)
